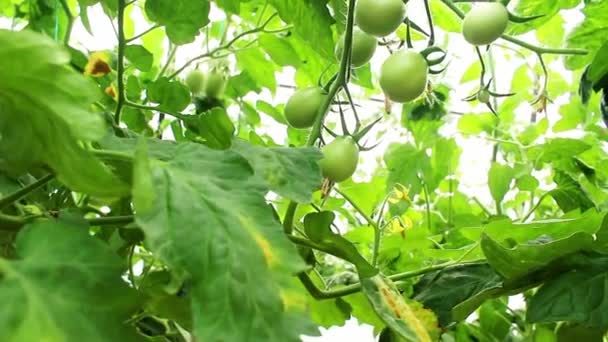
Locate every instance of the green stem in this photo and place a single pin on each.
(427, 205)
(120, 69)
(533, 209)
(378, 233)
(115, 155)
(111, 220)
(354, 288)
(68, 13)
(14, 223)
(538, 49)
(366, 217)
(137, 36)
(19, 194)
(223, 47)
(156, 109)
(483, 207)
(333, 90)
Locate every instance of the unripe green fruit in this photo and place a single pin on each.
(485, 23)
(379, 17)
(403, 76)
(340, 159)
(215, 85)
(303, 106)
(363, 48)
(483, 96)
(195, 81)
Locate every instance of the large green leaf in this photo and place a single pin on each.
(65, 285)
(312, 22)
(392, 308)
(589, 34)
(442, 291)
(182, 18)
(516, 262)
(546, 8)
(204, 213)
(500, 230)
(292, 173)
(45, 111)
(580, 295)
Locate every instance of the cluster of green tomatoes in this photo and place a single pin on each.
(403, 75)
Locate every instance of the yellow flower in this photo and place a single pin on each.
(399, 225)
(98, 65)
(399, 193)
(111, 91)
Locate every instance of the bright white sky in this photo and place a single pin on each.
(475, 159)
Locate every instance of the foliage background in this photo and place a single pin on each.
(568, 174)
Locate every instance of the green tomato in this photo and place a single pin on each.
(303, 106)
(215, 85)
(196, 81)
(403, 76)
(340, 159)
(363, 48)
(379, 17)
(485, 23)
(483, 96)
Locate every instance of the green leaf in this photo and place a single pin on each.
(547, 8)
(576, 296)
(523, 259)
(499, 180)
(527, 183)
(445, 18)
(442, 291)
(557, 149)
(501, 230)
(311, 21)
(291, 172)
(477, 123)
(68, 288)
(258, 67)
(214, 127)
(182, 18)
(599, 67)
(590, 34)
(279, 49)
(392, 308)
(568, 332)
(46, 111)
(170, 95)
(139, 56)
(204, 213)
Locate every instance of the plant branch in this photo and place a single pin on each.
(538, 49)
(535, 207)
(111, 220)
(19, 194)
(367, 218)
(354, 288)
(68, 13)
(226, 46)
(120, 69)
(137, 36)
(156, 109)
(333, 90)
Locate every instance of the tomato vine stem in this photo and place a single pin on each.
(70, 24)
(538, 49)
(354, 288)
(213, 52)
(19, 194)
(120, 68)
